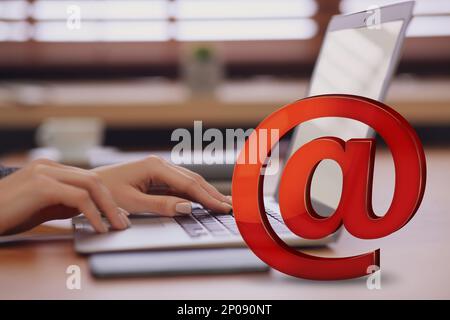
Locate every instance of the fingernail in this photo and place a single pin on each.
(125, 212)
(125, 220)
(183, 207)
(121, 224)
(104, 228)
(228, 206)
(229, 199)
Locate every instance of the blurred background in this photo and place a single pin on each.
(141, 68)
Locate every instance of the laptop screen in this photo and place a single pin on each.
(355, 61)
(352, 61)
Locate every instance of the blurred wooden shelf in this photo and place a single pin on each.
(169, 104)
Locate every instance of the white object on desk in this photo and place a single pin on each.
(71, 137)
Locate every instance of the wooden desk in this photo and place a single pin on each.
(415, 261)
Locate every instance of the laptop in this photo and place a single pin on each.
(358, 56)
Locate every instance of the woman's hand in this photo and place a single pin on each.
(154, 185)
(45, 190)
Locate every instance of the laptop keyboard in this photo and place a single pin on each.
(203, 222)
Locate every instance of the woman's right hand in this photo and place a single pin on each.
(45, 190)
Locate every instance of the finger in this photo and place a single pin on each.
(181, 182)
(164, 205)
(98, 192)
(205, 185)
(58, 193)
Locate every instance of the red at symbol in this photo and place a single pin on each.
(354, 212)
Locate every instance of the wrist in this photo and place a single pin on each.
(5, 171)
